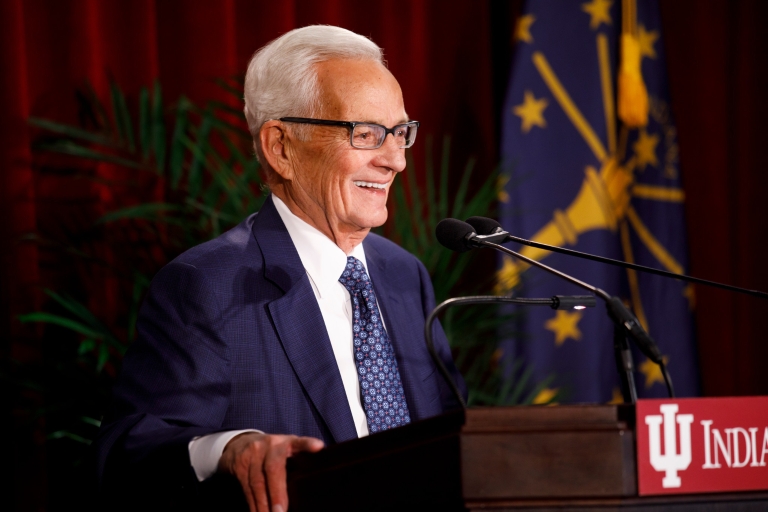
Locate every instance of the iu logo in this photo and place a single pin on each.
(671, 462)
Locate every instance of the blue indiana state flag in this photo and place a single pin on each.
(581, 178)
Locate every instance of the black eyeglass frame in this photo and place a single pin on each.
(351, 125)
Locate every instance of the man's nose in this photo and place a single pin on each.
(391, 154)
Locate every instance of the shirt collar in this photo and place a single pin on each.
(323, 260)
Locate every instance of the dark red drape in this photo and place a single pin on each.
(717, 54)
(446, 56)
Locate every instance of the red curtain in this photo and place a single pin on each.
(717, 54)
(451, 59)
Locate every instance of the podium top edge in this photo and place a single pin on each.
(584, 415)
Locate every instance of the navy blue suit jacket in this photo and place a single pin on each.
(230, 336)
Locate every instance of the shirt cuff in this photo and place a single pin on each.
(205, 451)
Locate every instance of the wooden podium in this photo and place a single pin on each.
(579, 457)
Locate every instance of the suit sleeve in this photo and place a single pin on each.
(441, 345)
(174, 386)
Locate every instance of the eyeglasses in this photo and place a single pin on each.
(367, 135)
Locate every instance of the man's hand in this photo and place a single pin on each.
(258, 462)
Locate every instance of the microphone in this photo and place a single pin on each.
(455, 235)
(486, 226)
(461, 236)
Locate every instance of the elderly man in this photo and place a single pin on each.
(297, 328)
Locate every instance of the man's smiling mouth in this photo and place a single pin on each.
(370, 184)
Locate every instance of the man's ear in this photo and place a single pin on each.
(272, 137)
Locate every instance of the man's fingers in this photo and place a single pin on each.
(245, 483)
(274, 468)
(258, 488)
(248, 496)
(306, 444)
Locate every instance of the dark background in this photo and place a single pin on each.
(452, 59)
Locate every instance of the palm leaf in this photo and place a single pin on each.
(73, 132)
(177, 150)
(200, 150)
(147, 211)
(145, 125)
(122, 117)
(68, 147)
(157, 137)
(63, 321)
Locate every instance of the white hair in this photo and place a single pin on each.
(281, 80)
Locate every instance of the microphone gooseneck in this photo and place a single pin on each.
(461, 236)
(556, 302)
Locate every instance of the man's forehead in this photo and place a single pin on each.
(359, 88)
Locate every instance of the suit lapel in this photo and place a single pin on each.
(401, 322)
(300, 326)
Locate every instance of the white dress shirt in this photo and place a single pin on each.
(324, 262)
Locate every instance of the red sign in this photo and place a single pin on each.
(699, 445)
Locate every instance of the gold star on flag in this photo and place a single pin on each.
(564, 325)
(546, 396)
(645, 150)
(690, 293)
(652, 372)
(503, 195)
(598, 11)
(647, 40)
(523, 28)
(531, 111)
(617, 397)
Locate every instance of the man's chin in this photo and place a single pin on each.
(373, 221)
(366, 214)
(380, 220)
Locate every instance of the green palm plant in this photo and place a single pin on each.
(200, 160)
(210, 179)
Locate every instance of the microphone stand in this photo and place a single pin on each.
(625, 323)
(556, 302)
(626, 366)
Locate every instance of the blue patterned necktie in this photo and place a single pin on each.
(382, 390)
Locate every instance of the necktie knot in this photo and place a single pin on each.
(354, 276)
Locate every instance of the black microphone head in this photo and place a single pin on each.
(453, 234)
(484, 225)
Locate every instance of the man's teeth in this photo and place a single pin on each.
(369, 184)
